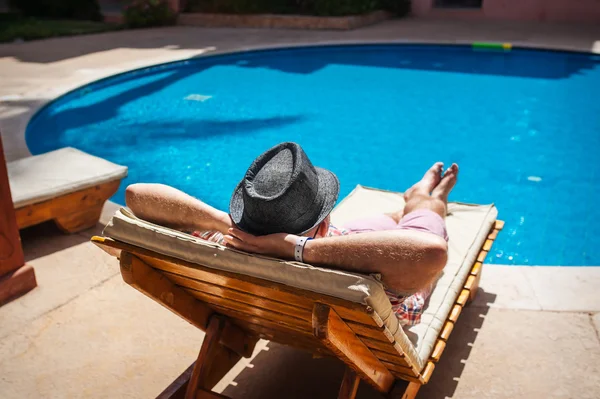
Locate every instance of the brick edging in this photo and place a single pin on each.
(281, 21)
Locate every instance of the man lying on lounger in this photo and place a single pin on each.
(281, 208)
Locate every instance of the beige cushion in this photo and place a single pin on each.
(41, 177)
(350, 286)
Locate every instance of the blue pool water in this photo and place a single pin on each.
(523, 125)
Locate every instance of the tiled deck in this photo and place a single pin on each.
(532, 333)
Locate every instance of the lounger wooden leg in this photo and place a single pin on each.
(80, 220)
(214, 361)
(402, 390)
(177, 389)
(411, 390)
(349, 385)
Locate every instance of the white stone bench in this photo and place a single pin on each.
(66, 185)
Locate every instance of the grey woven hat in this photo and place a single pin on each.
(283, 192)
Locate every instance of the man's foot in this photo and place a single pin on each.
(429, 181)
(447, 183)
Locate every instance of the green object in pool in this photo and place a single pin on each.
(492, 46)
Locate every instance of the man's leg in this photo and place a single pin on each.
(424, 212)
(418, 197)
(425, 207)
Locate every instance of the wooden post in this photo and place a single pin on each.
(16, 278)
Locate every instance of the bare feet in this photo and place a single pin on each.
(446, 184)
(431, 179)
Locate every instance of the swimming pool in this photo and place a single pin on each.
(524, 126)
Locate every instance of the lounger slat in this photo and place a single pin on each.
(482, 256)
(438, 350)
(376, 333)
(384, 356)
(426, 374)
(396, 368)
(448, 327)
(255, 286)
(399, 373)
(474, 287)
(257, 319)
(273, 325)
(488, 245)
(470, 283)
(455, 312)
(285, 337)
(463, 297)
(387, 347)
(476, 269)
(204, 291)
(215, 301)
(270, 327)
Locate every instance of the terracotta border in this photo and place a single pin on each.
(281, 21)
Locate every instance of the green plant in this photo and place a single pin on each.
(344, 7)
(65, 9)
(13, 27)
(398, 7)
(146, 13)
(304, 7)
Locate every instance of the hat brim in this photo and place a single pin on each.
(329, 189)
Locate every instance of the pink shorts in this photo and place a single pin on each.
(423, 220)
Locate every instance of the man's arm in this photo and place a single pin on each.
(407, 260)
(167, 206)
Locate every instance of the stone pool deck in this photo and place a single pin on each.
(533, 332)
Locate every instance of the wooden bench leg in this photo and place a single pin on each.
(214, 361)
(81, 220)
(349, 385)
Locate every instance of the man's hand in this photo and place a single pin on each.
(278, 245)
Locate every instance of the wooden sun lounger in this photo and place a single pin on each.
(235, 310)
(67, 186)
